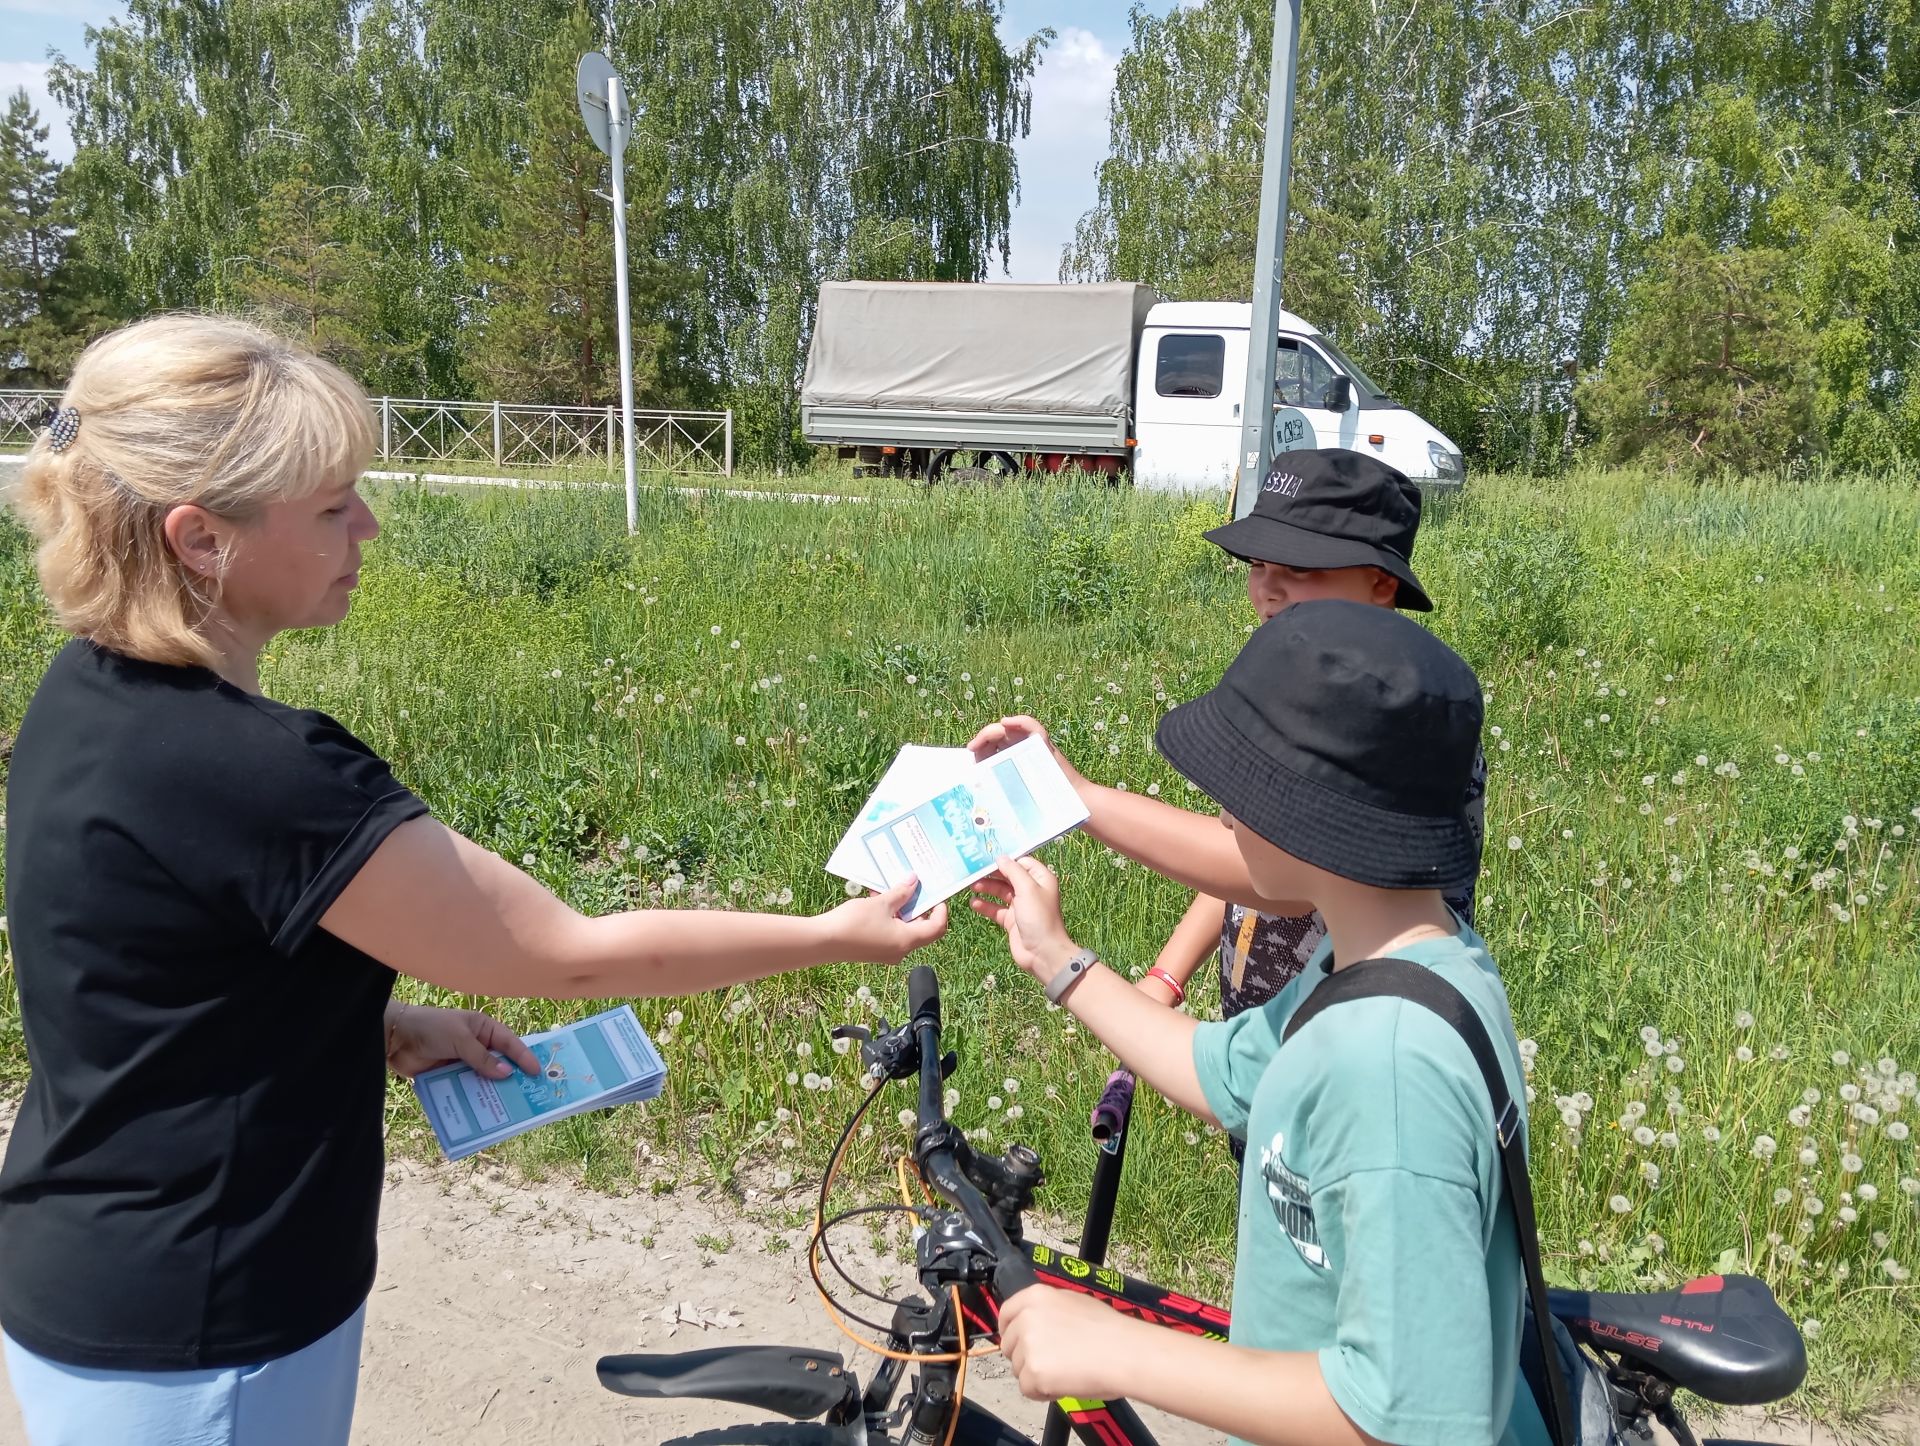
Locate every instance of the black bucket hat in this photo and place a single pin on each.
(1344, 734)
(1333, 508)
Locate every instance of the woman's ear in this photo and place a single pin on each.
(193, 537)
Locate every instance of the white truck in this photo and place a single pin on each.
(978, 381)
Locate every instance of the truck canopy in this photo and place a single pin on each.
(976, 347)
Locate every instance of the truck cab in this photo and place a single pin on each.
(1190, 385)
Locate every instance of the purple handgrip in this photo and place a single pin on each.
(1116, 1103)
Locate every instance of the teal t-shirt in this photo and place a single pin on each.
(1374, 1226)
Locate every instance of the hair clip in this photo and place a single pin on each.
(64, 427)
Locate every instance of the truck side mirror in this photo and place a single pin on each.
(1339, 395)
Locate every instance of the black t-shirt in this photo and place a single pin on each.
(194, 1176)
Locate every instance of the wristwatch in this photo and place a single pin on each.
(1070, 974)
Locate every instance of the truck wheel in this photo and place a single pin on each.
(966, 464)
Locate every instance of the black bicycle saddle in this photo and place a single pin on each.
(793, 1381)
(1722, 1337)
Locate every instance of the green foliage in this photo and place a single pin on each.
(47, 307)
(548, 332)
(310, 278)
(409, 178)
(1475, 191)
(1709, 371)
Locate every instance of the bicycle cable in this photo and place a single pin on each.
(836, 1314)
(820, 1222)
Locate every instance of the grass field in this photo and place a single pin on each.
(1704, 732)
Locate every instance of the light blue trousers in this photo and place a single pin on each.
(305, 1399)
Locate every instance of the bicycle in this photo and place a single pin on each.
(1724, 1338)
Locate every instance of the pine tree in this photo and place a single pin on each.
(309, 280)
(547, 327)
(1710, 369)
(44, 307)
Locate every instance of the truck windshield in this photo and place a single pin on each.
(1352, 367)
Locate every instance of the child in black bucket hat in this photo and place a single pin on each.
(1331, 524)
(1378, 1283)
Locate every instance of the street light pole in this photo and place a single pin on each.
(603, 110)
(1256, 414)
(618, 128)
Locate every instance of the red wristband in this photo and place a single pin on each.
(1179, 993)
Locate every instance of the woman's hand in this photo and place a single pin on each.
(995, 737)
(871, 931)
(1023, 898)
(420, 1036)
(1060, 1343)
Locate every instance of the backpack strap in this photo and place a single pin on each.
(1403, 979)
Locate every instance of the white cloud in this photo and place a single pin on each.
(1060, 158)
(32, 74)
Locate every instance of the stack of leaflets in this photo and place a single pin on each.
(593, 1064)
(946, 817)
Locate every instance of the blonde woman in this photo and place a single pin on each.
(210, 894)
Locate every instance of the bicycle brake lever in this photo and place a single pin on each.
(853, 1031)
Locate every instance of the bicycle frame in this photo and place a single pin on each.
(1097, 1423)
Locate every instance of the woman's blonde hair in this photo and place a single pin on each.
(181, 408)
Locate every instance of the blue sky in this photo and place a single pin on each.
(1057, 160)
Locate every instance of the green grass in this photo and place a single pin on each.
(692, 716)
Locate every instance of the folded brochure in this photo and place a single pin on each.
(948, 818)
(916, 771)
(592, 1064)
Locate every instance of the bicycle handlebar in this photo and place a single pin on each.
(1116, 1103)
(936, 1149)
(923, 997)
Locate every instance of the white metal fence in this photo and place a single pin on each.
(500, 434)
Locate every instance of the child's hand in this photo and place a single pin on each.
(871, 931)
(995, 737)
(1024, 899)
(1060, 1343)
